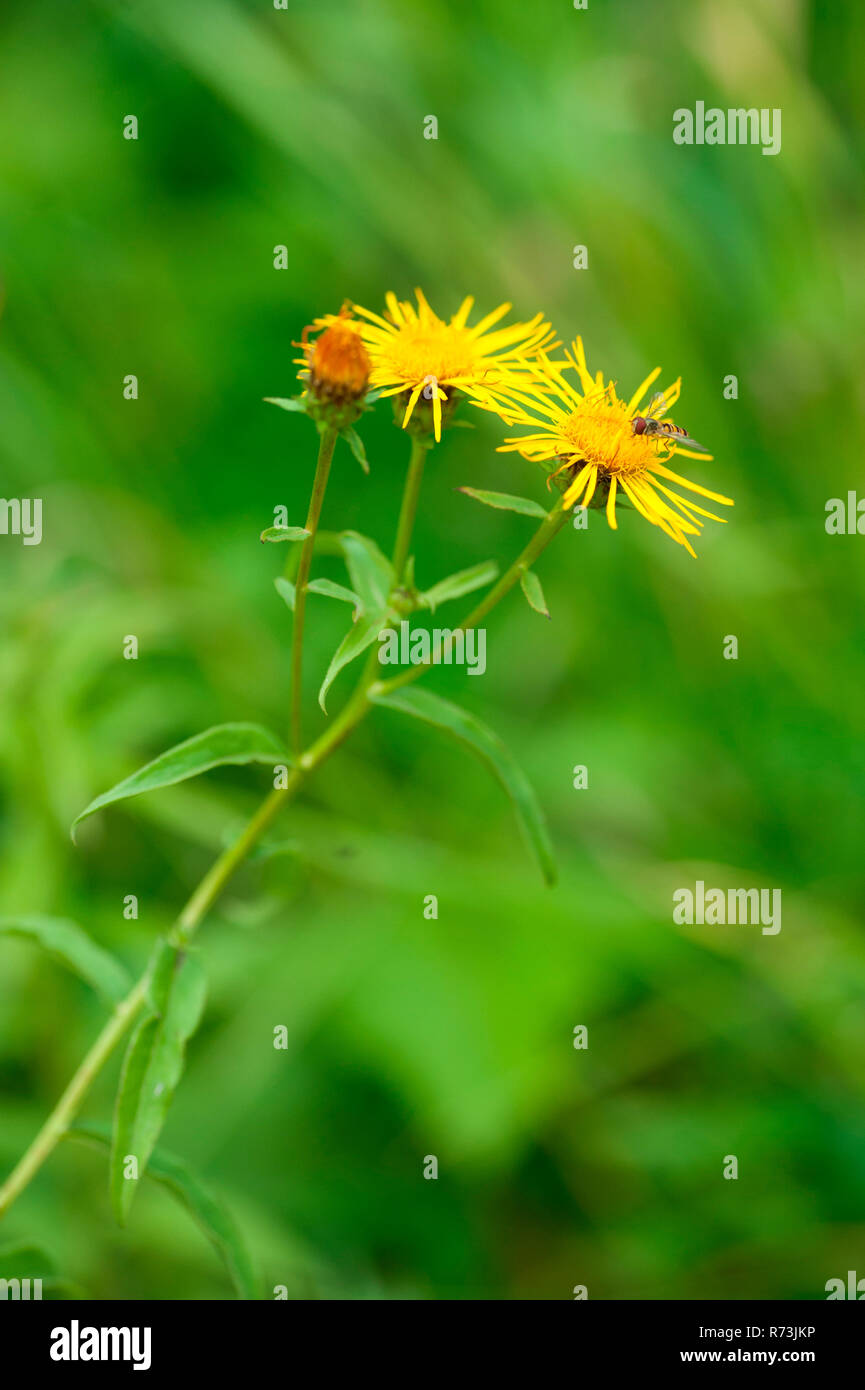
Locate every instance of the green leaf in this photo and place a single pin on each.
(371, 574)
(223, 744)
(531, 587)
(434, 710)
(326, 543)
(285, 588)
(504, 502)
(463, 582)
(136, 1061)
(287, 403)
(70, 944)
(153, 1066)
(214, 1219)
(361, 636)
(355, 443)
(285, 533)
(331, 590)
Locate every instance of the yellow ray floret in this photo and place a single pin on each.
(584, 429)
(412, 350)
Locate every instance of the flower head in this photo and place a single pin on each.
(335, 367)
(414, 351)
(587, 432)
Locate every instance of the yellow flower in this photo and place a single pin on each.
(414, 351)
(589, 434)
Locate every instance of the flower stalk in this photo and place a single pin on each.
(211, 886)
(319, 487)
(408, 510)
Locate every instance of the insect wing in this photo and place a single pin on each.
(687, 442)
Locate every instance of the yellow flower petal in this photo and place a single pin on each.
(611, 505)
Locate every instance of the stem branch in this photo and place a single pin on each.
(548, 528)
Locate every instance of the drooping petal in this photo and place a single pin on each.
(611, 504)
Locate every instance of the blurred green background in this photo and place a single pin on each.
(452, 1037)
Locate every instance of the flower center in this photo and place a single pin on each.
(603, 435)
(443, 352)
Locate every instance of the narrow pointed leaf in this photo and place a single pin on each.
(287, 403)
(285, 533)
(434, 710)
(361, 636)
(139, 1051)
(463, 582)
(285, 589)
(212, 1216)
(224, 744)
(371, 574)
(355, 443)
(531, 587)
(331, 590)
(153, 1066)
(504, 502)
(70, 944)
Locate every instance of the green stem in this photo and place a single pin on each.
(67, 1106)
(224, 867)
(221, 871)
(353, 713)
(126, 1012)
(408, 511)
(319, 486)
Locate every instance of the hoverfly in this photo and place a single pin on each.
(650, 424)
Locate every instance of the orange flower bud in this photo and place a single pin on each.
(338, 363)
